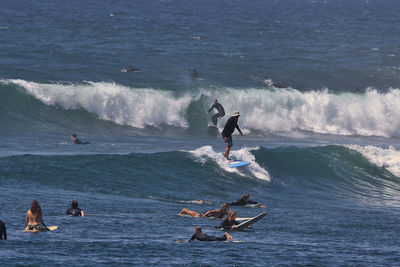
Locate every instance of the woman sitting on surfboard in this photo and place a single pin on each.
(199, 235)
(218, 213)
(245, 200)
(230, 222)
(33, 216)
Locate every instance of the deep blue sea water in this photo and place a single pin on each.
(325, 158)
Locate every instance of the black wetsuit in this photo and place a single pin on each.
(230, 126)
(74, 212)
(221, 112)
(79, 142)
(226, 224)
(3, 232)
(204, 237)
(242, 202)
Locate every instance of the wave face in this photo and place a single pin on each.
(278, 111)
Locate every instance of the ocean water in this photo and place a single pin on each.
(325, 158)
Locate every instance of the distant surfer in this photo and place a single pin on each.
(220, 114)
(3, 232)
(276, 85)
(218, 213)
(74, 210)
(194, 74)
(33, 217)
(245, 200)
(229, 223)
(77, 141)
(229, 128)
(132, 69)
(201, 236)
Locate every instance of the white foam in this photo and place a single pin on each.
(282, 111)
(388, 158)
(117, 103)
(289, 110)
(253, 170)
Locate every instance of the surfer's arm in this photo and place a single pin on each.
(208, 213)
(240, 131)
(192, 238)
(213, 106)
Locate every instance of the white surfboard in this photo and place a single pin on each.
(249, 222)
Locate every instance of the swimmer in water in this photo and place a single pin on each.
(74, 210)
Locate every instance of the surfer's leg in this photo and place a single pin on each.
(214, 119)
(229, 144)
(185, 211)
(228, 236)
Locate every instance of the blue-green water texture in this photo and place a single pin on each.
(317, 84)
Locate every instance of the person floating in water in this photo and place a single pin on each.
(245, 200)
(74, 210)
(132, 69)
(229, 223)
(229, 128)
(194, 74)
(218, 213)
(77, 141)
(199, 235)
(33, 216)
(220, 114)
(3, 231)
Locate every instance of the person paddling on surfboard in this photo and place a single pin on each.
(220, 114)
(3, 232)
(33, 216)
(229, 128)
(199, 235)
(74, 210)
(245, 200)
(77, 141)
(229, 223)
(218, 213)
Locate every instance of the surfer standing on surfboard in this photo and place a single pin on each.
(220, 114)
(33, 216)
(229, 128)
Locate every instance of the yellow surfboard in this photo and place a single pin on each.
(51, 228)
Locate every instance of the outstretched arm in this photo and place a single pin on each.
(240, 131)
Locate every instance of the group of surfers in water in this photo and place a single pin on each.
(228, 223)
(34, 216)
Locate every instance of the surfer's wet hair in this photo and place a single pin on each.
(73, 135)
(74, 204)
(231, 215)
(35, 207)
(197, 229)
(245, 196)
